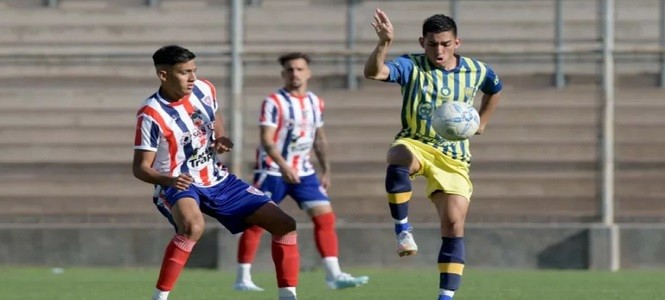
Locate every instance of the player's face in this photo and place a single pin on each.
(178, 80)
(440, 48)
(295, 73)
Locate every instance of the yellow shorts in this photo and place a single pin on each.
(442, 172)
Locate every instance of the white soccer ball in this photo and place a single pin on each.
(455, 120)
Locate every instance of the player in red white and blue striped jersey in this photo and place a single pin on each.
(178, 136)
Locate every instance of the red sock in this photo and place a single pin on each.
(325, 235)
(175, 257)
(249, 244)
(287, 260)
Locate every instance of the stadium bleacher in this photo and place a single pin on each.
(73, 77)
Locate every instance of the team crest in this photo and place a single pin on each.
(255, 191)
(197, 118)
(207, 100)
(425, 110)
(469, 93)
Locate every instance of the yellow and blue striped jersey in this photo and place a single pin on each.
(425, 87)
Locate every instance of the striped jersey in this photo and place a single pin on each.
(296, 120)
(425, 87)
(181, 133)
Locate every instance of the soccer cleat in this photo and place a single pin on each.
(406, 246)
(247, 287)
(345, 280)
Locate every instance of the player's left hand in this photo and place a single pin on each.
(325, 180)
(222, 144)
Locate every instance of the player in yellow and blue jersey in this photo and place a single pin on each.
(427, 80)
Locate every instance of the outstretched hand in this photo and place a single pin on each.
(383, 27)
(222, 144)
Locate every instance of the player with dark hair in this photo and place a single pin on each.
(427, 80)
(291, 125)
(179, 133)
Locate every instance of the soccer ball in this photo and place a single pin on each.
(455, 120)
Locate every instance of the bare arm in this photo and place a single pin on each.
(219, 126)
(320, 150)
(141, 167)
(222, 143)
(487, 107)
(267, 135)
(374, 66)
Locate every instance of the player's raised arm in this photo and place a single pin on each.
(374, 66)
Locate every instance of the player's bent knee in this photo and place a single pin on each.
(399, 155)
(193, 230)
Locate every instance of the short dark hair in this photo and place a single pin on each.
(293, 55)
(172, 55)
(439, 23)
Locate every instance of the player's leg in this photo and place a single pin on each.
(237, 205)
(248, 244)
(452, 210)
(311, 197)
(185, 213)
(284, 246)
(401, 164)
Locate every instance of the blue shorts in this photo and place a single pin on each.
(229, 201)
(308, 193)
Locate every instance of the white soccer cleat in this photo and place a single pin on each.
(247, 287)
(345, 280)
(406, 246)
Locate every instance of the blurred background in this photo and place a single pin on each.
(569, 174)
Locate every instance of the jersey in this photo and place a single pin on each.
(296, 120)
(181, 133)
(425, 87)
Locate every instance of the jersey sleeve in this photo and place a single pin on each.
(400, 68)
(213, 92)
(147, 133)
(491, 84)
(270, 112)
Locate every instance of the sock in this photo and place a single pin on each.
(331, 265)
(244, 273)
(398, 187)
(160, 295)
(175, 256)
(287, 260)
(249, 244)
(325, 235)
(451, 263)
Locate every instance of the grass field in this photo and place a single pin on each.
(386, 284)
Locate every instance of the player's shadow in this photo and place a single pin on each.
(569, 253)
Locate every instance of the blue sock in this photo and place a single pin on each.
(398, 187)
(451, 263)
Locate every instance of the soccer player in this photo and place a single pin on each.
(291, 124)
(178, 135)
(427, 80)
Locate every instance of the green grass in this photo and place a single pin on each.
(399, 284)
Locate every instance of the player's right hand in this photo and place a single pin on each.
(290, 175)
(382, 26)
(182, 182)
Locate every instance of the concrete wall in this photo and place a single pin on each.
(530, 246)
